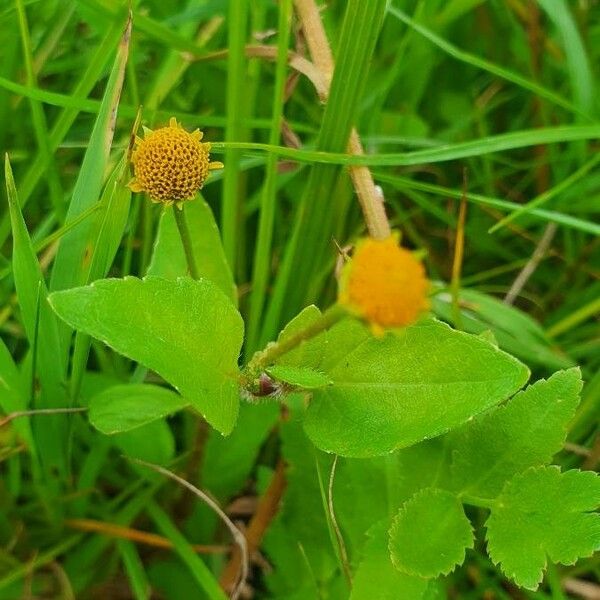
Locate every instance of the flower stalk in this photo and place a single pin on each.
(186, 241)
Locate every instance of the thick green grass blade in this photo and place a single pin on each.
(580, 74)
(70, 266)
(236, 103)
(314, 218)
(192, 561)
(262, 255)
(41, 327)
(134, 568)
(443, 153)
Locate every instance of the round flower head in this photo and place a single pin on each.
(170, 164)
(384, 284)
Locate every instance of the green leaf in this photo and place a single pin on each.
(127, 406)
(168, 258)
(310, 352)
(71, 265)
(430, 534)
(525, 432)
(397, 390)
(187, 331)
(299, 376)
(544, 514)
(153, 442)
(41, 328)
(376, 569)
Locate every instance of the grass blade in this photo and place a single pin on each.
(41, 327)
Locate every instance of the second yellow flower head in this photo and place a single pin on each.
(384, 284)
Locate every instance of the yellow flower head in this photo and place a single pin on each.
(170, 164)
(384, 284)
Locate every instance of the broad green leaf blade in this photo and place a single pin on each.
(128, 406)
(301, 377)
(153, 442)
(376, 569)
(187, 331)
(70, 265)
(41, 328)
(544, 514)
(430, 534)
(168, 258)
(525, 432)
(310, 352)
(407, 386)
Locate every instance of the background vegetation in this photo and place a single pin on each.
(480, 121)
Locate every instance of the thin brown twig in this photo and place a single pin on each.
(369, 196)
(135, 535)
(39, 411)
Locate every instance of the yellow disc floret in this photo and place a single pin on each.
(170, 164)
(384, 284)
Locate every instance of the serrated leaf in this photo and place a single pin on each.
(187, 331)
(301, 377)
(407, 386)
(128, 406)
(376, 569)
(310, 352)
(544, 514)
(525, 432)
(430, 534)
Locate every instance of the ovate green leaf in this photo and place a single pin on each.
(430, 534)
(544, 514)
(187, 331)
(407, 386)
(525, 432)
(128, 406)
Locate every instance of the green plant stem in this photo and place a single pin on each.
(274, 350)
(186, 240)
